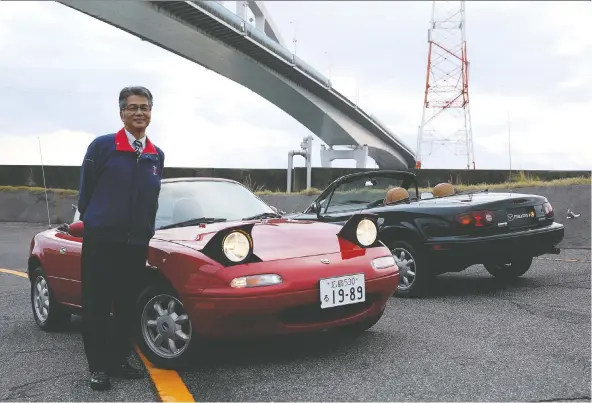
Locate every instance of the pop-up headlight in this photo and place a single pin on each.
(232, 246)
(361, 229)
(236, 246)
(366, 232)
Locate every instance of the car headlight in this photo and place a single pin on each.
(258, 280)
(366, 232)
(236, 246)
(384, 262)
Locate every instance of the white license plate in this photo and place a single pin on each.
(344, 290)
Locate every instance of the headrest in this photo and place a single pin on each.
(396, 194)
(443, 189)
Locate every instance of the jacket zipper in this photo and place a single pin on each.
(132, 199)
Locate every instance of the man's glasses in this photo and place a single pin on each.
(135, 108)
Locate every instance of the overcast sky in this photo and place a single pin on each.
(61, 72)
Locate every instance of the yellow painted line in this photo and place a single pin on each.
(562, 260)
(168, 383)
(15, 272)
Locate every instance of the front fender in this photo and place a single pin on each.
(188, 271)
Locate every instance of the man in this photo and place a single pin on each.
(118, 198)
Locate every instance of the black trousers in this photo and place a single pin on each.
(109, 284)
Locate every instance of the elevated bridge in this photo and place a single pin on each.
(256, 57)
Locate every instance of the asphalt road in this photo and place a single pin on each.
(473, 340)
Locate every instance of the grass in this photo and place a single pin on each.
(515, 184)
(32, 189)
(518, 181)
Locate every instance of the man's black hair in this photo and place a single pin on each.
(135, 90)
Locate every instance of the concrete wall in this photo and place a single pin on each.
(66, 177)
(26, 206)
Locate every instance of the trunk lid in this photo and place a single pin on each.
(511, 211)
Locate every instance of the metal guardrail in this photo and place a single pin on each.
(221, 12)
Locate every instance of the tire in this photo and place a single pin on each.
(410, 260)
(47, 312)
(509, 271)
(145, 333)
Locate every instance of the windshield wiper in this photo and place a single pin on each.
(194, 221)
(262, 215)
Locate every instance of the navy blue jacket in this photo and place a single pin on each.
(118, 195)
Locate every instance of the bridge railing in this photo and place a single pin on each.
(221, 12)
(261, 38)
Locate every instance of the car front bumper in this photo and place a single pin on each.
(283, 313)
(477, 250)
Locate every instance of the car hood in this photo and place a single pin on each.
(273, 239)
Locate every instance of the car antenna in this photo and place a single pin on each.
(44, 185)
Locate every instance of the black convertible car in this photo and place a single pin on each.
(443, 231)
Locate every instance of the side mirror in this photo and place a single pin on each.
(315, 207)
(63, 228)
(277, 211)
(426, 195)
(76, 229)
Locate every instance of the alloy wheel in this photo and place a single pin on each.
(166, 327)
(406, 263)
(41, 298)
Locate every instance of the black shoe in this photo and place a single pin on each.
(126, 371)
(99, 381)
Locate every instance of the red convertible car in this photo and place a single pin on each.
(224, 264)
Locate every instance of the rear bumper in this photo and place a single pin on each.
(477, 250)
(285, 313)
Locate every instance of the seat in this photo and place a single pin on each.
(443, 189)
(395, 195)
(186, 209)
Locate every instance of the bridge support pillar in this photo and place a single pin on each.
(357, 153)
(306, 152)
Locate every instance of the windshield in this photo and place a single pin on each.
(186, 200)
(359, 193)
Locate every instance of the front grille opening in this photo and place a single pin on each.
(313, 313)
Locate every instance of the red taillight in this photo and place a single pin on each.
(475, 219)
(548, 209)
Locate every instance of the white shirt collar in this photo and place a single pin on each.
(131, 139)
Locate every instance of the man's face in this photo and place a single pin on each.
(137, 113)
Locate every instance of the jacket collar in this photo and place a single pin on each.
(122, 143)
(131, 139)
